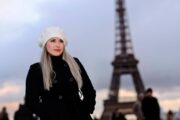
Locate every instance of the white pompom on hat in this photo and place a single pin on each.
(51, 32)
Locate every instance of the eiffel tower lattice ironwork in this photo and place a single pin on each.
(123, 64)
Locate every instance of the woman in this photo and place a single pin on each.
(58, 87)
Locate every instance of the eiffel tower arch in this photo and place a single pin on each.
(124, 63)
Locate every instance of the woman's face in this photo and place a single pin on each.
(55, 46)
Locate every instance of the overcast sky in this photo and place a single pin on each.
(90, 28)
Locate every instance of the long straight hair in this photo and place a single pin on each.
(48, 73)
(47, 70)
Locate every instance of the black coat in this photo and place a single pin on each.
(23, 113)
(62, 102)
(151, 108)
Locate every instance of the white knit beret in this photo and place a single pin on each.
(50, 32)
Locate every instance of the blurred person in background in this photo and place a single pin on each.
(3, 114)
(170, 115)
(150, 106)
(137, 107)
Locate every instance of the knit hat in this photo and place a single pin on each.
(51, 32)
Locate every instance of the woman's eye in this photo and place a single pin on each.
(52, 40)
(61, 41)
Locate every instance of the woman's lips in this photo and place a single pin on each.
(57, 50)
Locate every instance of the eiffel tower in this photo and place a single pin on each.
(123, 64)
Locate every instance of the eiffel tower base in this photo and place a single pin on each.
(116, 107)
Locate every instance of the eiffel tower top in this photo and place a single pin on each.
(123, 44)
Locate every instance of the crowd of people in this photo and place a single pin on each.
(147, 106)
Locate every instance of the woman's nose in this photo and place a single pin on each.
(57, 44)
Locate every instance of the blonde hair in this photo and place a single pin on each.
(48, 73)
(47, 70)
